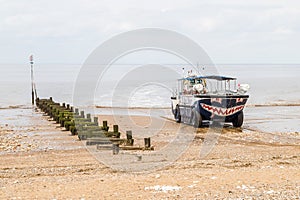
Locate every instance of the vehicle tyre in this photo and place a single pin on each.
(196, 119)
(174, 111)
(238, 120)
(177, 114)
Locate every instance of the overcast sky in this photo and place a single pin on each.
(231, 31)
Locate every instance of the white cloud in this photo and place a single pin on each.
(282, 30)
(45, 25)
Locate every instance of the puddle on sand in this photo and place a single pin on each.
(31, 131)
(274, 119)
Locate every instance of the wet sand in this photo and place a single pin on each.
(38, 160)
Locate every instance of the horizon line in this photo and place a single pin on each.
(67, 63)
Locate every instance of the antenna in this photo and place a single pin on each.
(198, 68)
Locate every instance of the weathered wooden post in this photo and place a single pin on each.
(116, 128)
(96, 121)
(104, 123)
(88, 116)
(32, 81)
(129, 138)
(129, 135)
(147, 142)
(82, 114)
(37, 102)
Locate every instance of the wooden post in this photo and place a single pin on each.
(130, 141)
(147, 142)
(88, 116)
(129, 135)
(96, 121)
(104, 124)
(32, 97)
(116, 128)
(32, 81)
(37, 101)
(82, 114)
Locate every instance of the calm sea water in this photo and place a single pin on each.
(269, 84)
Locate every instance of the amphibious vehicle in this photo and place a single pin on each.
(209, 98)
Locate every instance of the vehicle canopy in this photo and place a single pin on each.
(218, 78)
(212, 84)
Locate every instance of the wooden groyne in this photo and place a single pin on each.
(87, 128)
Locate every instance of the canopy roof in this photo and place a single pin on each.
(215, 77)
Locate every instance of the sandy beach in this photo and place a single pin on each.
(39, 160)
(149, 100)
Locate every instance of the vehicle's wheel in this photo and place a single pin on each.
(196, 119)
(173, 110)
(177, 114)
(238, 120)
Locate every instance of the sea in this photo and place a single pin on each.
(274, 89)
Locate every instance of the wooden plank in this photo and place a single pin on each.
(104, 147)
(105, 140)
(136, 148)
(126, 148)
